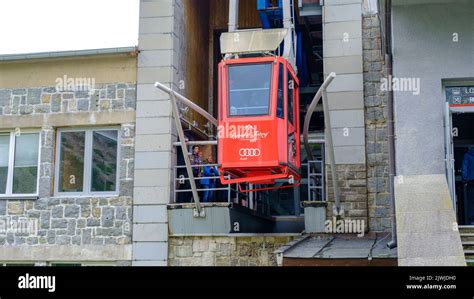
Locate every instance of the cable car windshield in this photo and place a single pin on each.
(249, 89)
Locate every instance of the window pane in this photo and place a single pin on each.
(249, 89)
(291, 89)
(4, 158)
(281, 88)
(104, 161)
(71, 161)
(25, 168)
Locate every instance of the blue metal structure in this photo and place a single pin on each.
(271, 13)
(271, 16)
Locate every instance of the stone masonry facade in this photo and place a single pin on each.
(342, 47)
(364, 187)
(72, 220)
(376, 127)
(102, 97)
(352, 183)
(225, 251)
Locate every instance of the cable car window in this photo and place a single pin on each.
(249, 89)
(281, 96)
(291, 89)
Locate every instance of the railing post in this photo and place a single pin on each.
(174, 184)
(228, 193)
(332, 158)
(199, 212)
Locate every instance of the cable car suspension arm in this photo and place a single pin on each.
(199, 211)
(327, 124)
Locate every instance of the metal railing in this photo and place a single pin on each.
(227, 193)
(256, 201)
(182, 179)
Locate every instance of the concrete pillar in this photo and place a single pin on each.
(342, 45)
(153, 154)
(342, 41)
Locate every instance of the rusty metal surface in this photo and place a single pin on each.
(342, 247)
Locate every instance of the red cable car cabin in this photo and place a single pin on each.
(258, 133)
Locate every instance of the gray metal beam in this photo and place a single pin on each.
(327, 123)
(233, 15)
(187, 161)
(187, 102)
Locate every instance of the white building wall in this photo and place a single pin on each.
(425, 48)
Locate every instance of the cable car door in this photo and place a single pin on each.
(292, 118)
(449, 150)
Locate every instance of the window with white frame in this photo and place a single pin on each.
(87, 162)
(19, 163)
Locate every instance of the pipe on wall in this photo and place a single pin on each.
(390, 120)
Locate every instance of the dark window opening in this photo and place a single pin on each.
(291, 90)
(281, 95)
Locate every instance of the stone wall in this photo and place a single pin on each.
(376, 127)
(103, 97)
(72, 221)
(225, 250)
(352, 183)
(364, 187)
(342, 45)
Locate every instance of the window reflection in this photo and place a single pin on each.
(104, 161)
(4, 158)
(249, 89)
(71, 169)
(25, 168)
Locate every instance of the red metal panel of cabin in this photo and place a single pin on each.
(257, 144)
(247, 141)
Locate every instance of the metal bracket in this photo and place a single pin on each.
(338, 212)
(199, 213)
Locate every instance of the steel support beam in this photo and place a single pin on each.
(233, 15)
(327, 123)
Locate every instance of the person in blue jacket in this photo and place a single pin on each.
(468, 179)
(468, 166)
(207, 182)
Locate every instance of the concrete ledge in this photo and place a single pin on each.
(426, 222)
(314, 204)
(67, 119)
(341, 2)
(87, 253)
(315, 218)
(149, 264)
(445, 261)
